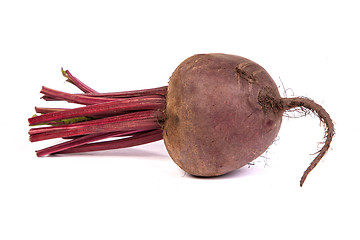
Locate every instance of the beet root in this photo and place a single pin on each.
(218, 113)
(223, 111)
(214, 122)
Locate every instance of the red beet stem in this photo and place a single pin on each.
(138, 139)
(48, 110)
(117, 118)
(91, 92)
(42, 133)
(51, 94)
(144, 92)
(134, 116)
(138, 124)
(82, 86)
(90, 98)
(113, 107)
(74, 143)
(81, 141)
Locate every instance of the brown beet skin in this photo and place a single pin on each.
(215, 122)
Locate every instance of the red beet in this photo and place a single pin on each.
(218, 113)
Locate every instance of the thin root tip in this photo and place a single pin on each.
(303, 178)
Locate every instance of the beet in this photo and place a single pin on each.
(215, 123)
(218, 113)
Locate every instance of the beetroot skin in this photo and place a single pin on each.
(215, 123)
(218, 113)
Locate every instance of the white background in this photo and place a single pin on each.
(139, 193)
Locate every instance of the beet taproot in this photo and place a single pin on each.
(214, 121)
(218, 113)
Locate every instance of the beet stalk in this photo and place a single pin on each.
(218, 113)
(133, 117)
